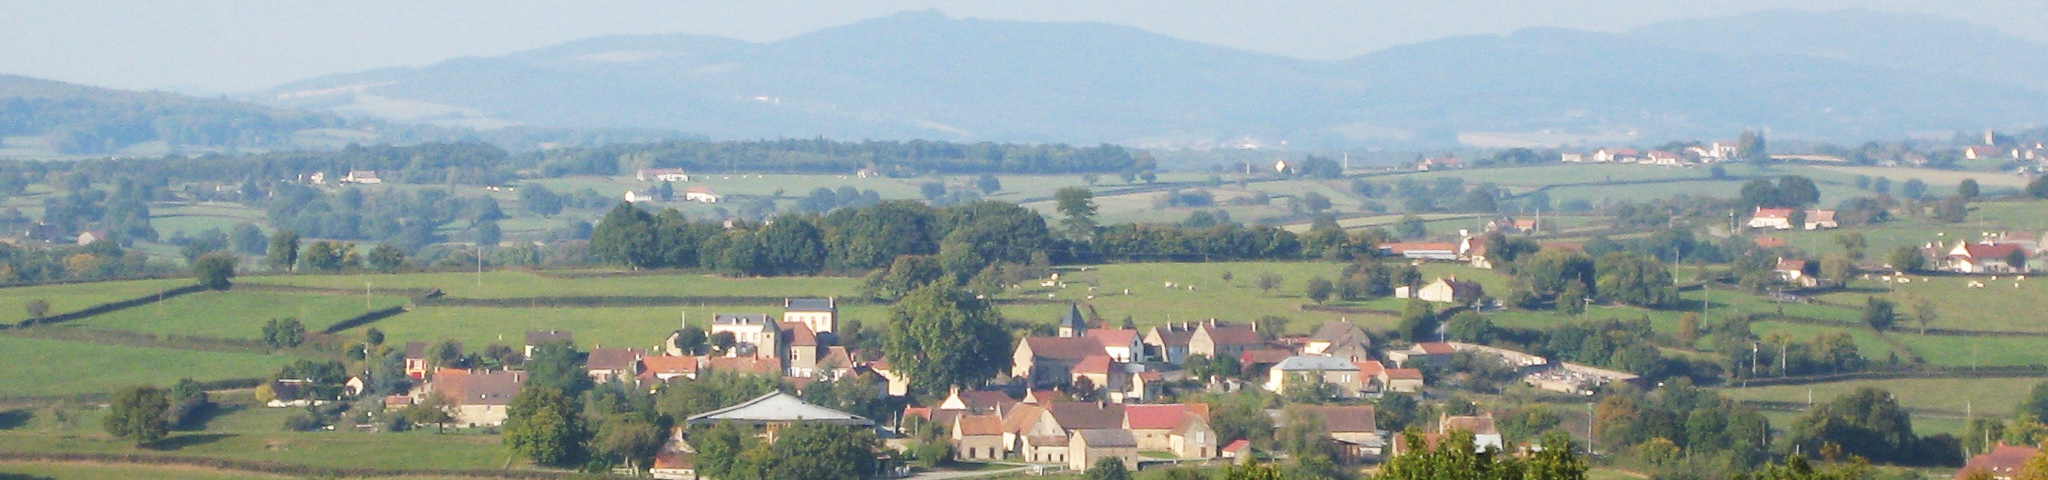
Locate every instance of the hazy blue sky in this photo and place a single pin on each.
(233, 46)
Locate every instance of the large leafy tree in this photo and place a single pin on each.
(943, 337)
(137, 413)
(284, 250)
(625, 236)
(1634, 279)
(545, 425)
(214, 270)
(557, 366)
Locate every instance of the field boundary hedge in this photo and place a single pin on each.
(265, 287)
(128, 338)
(615, 301)
(270, 468)
(209, 385)
(365, 319)
(113, 306)
(2023, 371)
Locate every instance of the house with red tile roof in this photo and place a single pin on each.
(1239, 451)
(480, 398)
(1984, 258)
(662, 368)
(2003, 462)
(1404, 380)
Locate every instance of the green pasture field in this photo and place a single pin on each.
(1939, 182)
(1997, 307)
(1150, 302)
(1958, 351)
(236, 314)
(53, 367)
(97, 471)
(1995, 397)
(2030, 217)
(609, 327)
(1867, 344)
(519, 284)
(71, 297)
(253, 433)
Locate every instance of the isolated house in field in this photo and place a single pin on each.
(1773, 218)
(661, 175)
(701, 194)
(2003, 462)
(93, 236)
(362, 176)
(1051, 360)
(821, 314)
(1821, 220)
(479, 397)
(1793, 271)
(1984, 258)
(1420, 250)
(1444, 290)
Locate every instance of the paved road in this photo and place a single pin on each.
(949, 474)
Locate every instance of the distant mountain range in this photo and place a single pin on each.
(1847, 76)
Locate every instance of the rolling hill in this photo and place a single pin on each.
(924, 75)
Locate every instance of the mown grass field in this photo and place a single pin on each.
(98, 471)
(252, 433)
(72, 297)
(38, 367)
(1999, 306)
(1996, 397)
(235, 314)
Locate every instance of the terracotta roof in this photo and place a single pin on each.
(836, 356)
(1233, 334)
(1084, 415)
(612, 359)
(1043, 396)
(1021, 419)
(1076, 348)
(1154, 417)
(1790, 265)
(978, 425)
(1238, 446)
(1820, 215)
(1769, 242)
(1435, 348)
(1347, 419)
(1403, 374)
(1107, 438)
(669, 364)
(1772, 213)
(1370, 367)
(674, 460)
(1481, 425)
(537, 337)
(1048, 440)
(1111, 337)
(800, 334)
(1093, 364)
(1150, 376)
(1264, 355)
(752, 365)
(2003, 461)
(1996, 251)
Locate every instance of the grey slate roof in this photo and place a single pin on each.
(1073, 318)
(777, 407)
(1303, 364)
(1107, 438)
(741, 319)
(809, 305)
